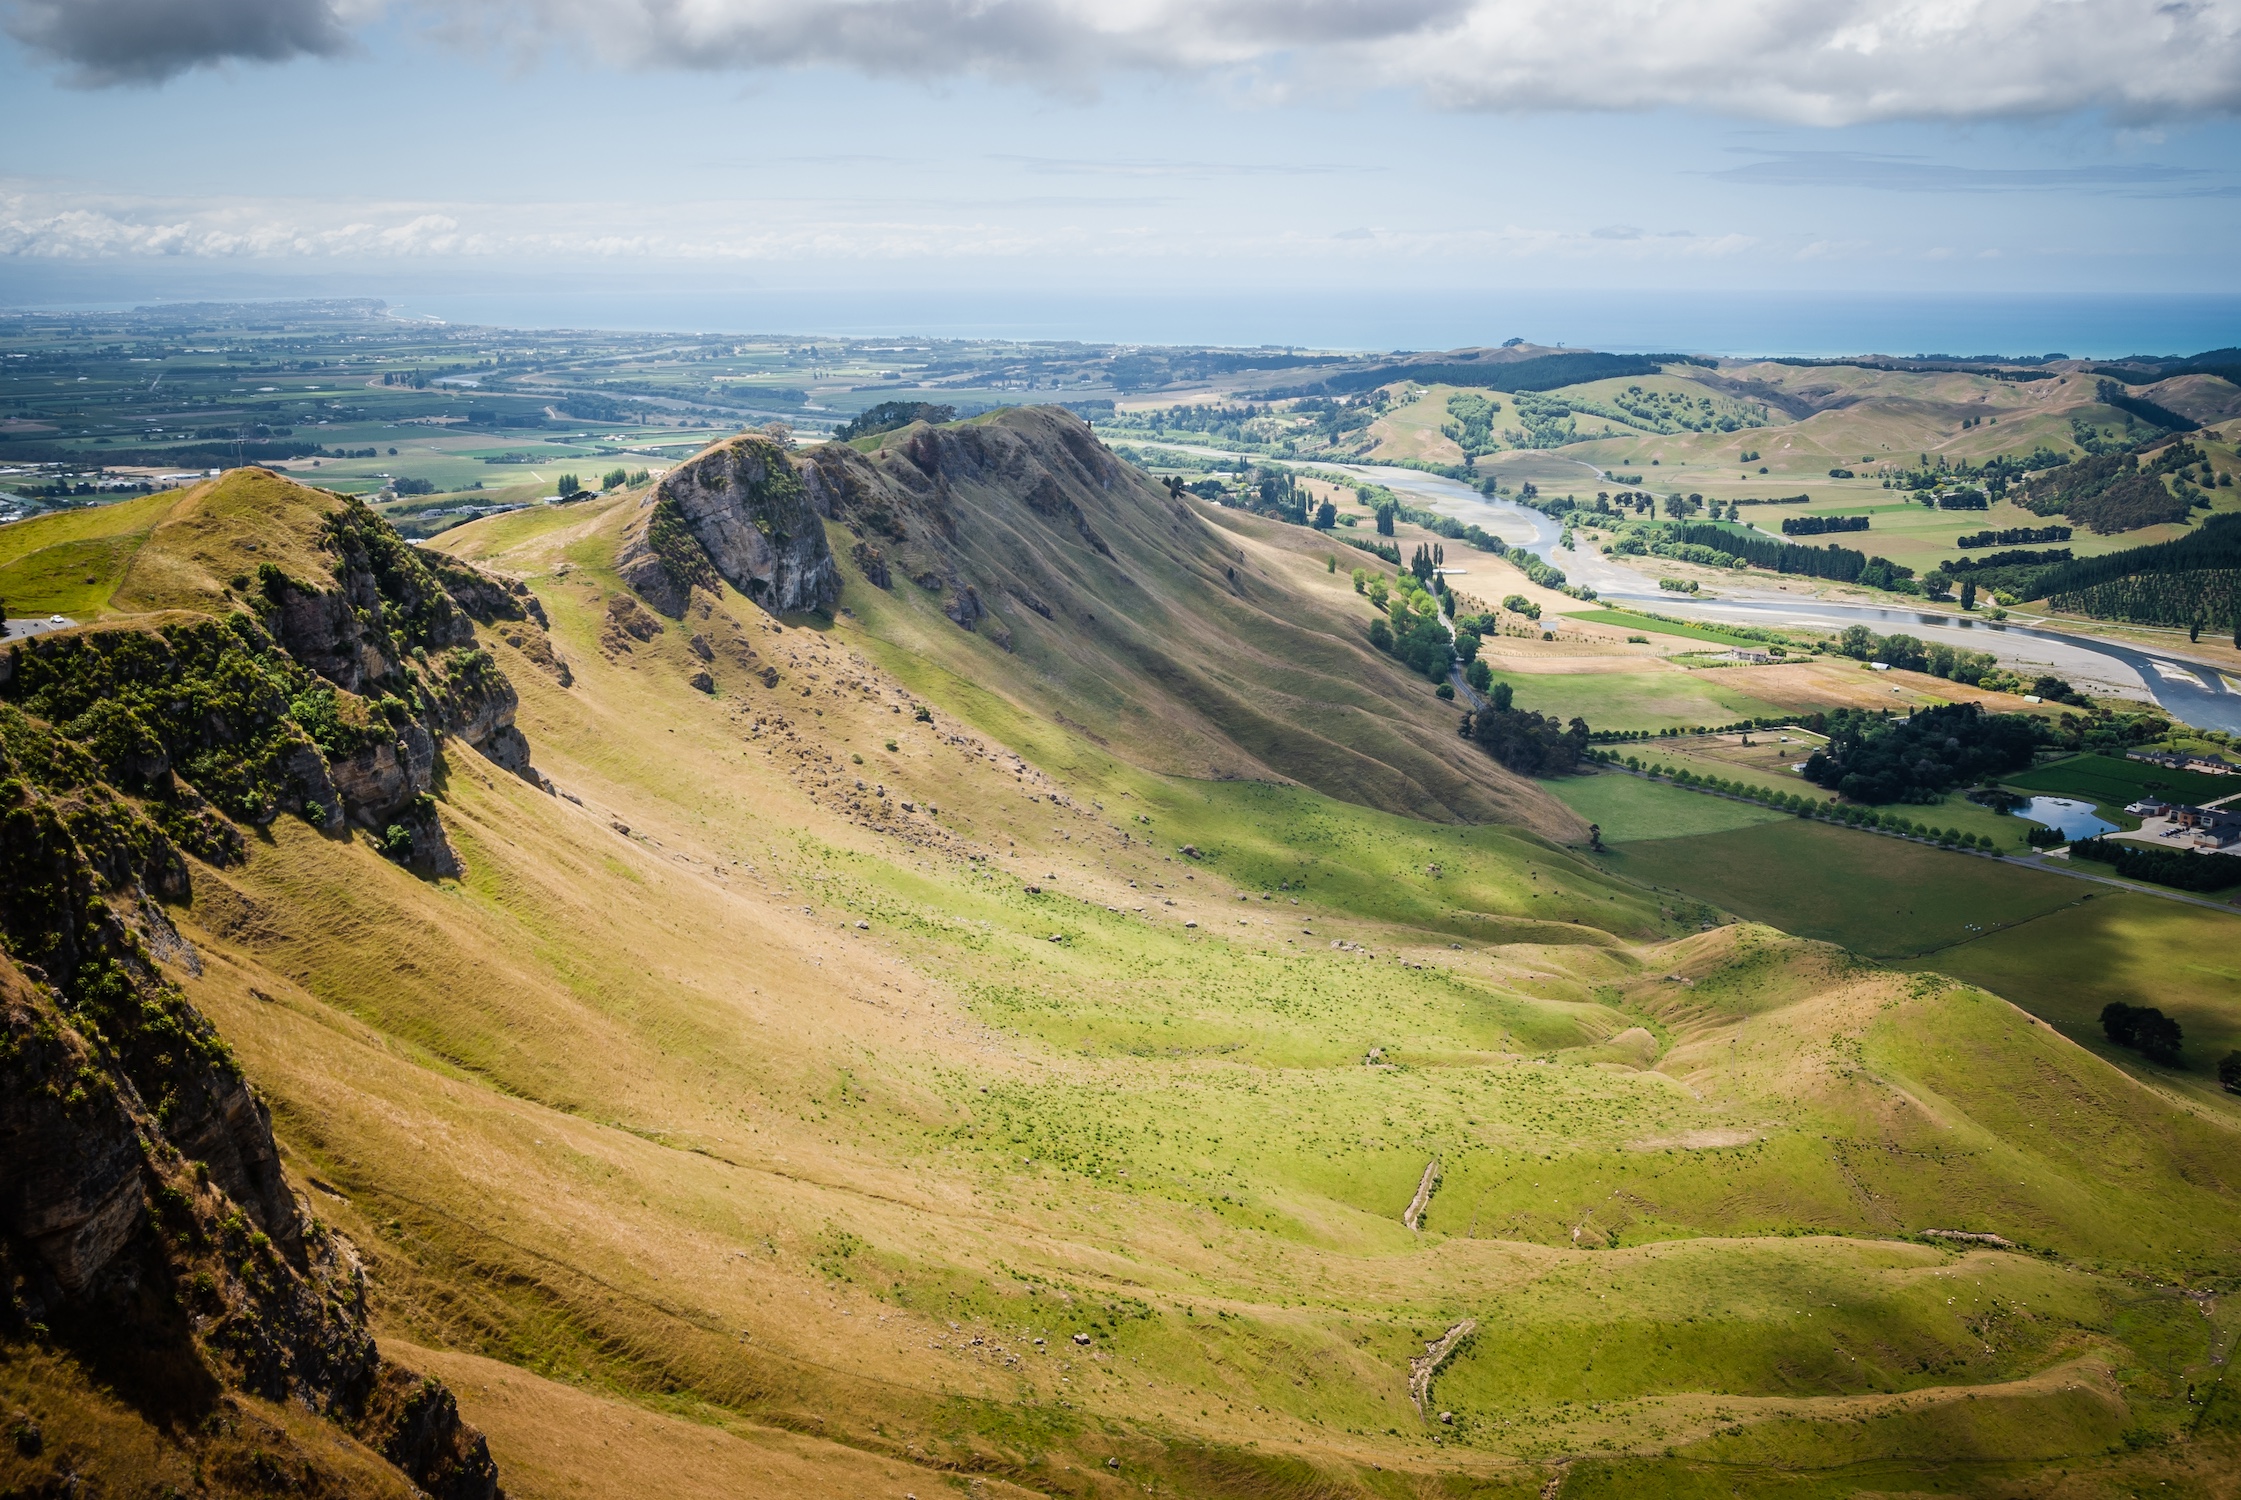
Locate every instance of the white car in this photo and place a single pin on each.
(56, 620)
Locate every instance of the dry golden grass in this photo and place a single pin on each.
(730, 1128)
(565, 1443)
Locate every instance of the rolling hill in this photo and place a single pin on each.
(1046, 1011)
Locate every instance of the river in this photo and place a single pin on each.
(2190, 690)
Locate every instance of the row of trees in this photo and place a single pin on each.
(2182, 869)
(2013, 536)
(1955, 664)
(1816, 525)
(1842, 564)
(1850, 814)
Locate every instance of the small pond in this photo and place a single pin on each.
(2072, 818)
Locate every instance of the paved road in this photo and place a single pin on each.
(2189, 688)
(18, 629)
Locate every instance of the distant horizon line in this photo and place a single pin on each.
(2090, 325)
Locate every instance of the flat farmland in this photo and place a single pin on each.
(2184, 960)
(1880, 897)
(1619, 693)
(1632, 808)
(2109, 780)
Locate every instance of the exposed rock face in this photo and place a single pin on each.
(141, 1196)
(142, 1199)
(906, 502)
(69, 1172)
(329, 702)
(739, 511)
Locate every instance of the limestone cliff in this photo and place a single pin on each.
(146, 1229)
(740, 512)
(326, 697)
(146, 1225)
(905, 501)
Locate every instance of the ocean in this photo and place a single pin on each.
(1634, 320)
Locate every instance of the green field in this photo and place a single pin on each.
(1879, 896)
(1649, 626)
(1629, 808)
(2184, 960)
(2108, 779)
(1953, 811)
(1652, 695)
(70, 562)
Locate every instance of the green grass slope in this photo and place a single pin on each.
(848, 1056)
(1190, 639)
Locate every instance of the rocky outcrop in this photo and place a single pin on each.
(330, 702)
(143, 1211)
(741, 512)
(414, 1422)
(69, 1157)
(907, 503)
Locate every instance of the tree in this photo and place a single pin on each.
(1326, 516)
(614, 479)
(889, 415)
(2229, 1072)
(2146, 1030)
(1968, 593)
(568, 486)
(2158, 1036)
(1526, 742)
(1479, 675)
(1385, 520)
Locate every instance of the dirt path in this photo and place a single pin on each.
(1414, 1218)
(1422, 1368)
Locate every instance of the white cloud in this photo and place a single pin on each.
(41, 222)
(1814, 62)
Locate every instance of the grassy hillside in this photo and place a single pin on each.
(899, 1061)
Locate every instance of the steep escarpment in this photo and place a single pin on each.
(739, 512)
(326, 697)
(150, 1241)
(1194, 641)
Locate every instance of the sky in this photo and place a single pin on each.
(628, 159)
